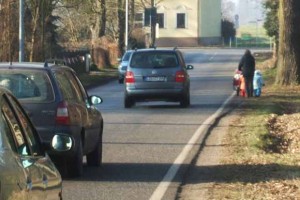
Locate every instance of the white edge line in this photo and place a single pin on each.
(161, 189)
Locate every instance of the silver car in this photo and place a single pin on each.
(154, 74)
(123, 65)
(26, 171)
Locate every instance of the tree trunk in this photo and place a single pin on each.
(95, 28)
(103, 18)
(289, 39)
(35, 18)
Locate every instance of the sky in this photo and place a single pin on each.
(249, 11)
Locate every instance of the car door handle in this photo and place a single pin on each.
(28, 184)
(45, 180)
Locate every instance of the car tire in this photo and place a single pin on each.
(121, 80)
(128, 102)
(75, 165)
(95, 157)
(185, 101)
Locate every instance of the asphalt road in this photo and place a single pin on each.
(147, 148)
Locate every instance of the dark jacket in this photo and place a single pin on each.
(247, 64)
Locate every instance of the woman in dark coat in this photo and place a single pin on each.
(247, 66)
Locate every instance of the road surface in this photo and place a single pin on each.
(148, 147)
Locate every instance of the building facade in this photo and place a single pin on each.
(188, 23)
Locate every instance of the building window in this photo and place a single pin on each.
(161, 20)
(181, 20)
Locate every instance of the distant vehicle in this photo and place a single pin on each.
(26, 171)
(57, 102)
(123, 65)
(157, 74)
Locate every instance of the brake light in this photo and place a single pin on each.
(62, 114)
(129, 77)
(180, 76)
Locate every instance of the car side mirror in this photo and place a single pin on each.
(189, 67)
(95, 100)
(61, 143)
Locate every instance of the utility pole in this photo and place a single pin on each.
(21, 31)
(152, 23)
(126, 26)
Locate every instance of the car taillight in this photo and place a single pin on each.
(129, 77)
(180, 77)
(62, 114)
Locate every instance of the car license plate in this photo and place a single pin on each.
(155, 78)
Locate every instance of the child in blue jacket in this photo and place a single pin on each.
(258, 83)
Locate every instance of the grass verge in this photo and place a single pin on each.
(262, 156)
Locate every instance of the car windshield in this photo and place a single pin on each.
(32, 85)
(154, 59)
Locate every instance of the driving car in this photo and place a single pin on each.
(26, 171)
(57, 102)
(157, 74)
(123, 65)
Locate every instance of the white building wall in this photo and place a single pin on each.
(170, 8)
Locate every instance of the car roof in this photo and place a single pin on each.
(30, 65)
(157, 49)
(3, 90)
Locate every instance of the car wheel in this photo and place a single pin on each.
(121, 80)
(185, 101)
(75, 165)
(95, 157)
(128, 102)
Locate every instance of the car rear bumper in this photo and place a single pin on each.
(155, 94)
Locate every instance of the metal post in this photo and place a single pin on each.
(21, 31)
(152, 25)
(126, 26)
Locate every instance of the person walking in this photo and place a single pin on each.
(247, 66)
(258, 83)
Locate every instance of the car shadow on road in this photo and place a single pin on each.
(242, 173)
(153, 172)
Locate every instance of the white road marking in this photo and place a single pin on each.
(169, 176)
(211, 58)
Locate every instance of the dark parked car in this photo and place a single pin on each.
(26, 171)
(57, 102)
(157, 74)
(123, 65)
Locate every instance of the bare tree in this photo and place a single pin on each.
(228, 8)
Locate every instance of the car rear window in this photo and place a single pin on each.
(28, 85)
(154, 59)
(126, 56)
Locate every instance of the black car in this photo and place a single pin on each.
(157, 75)
(26, 171)
(57, 102)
